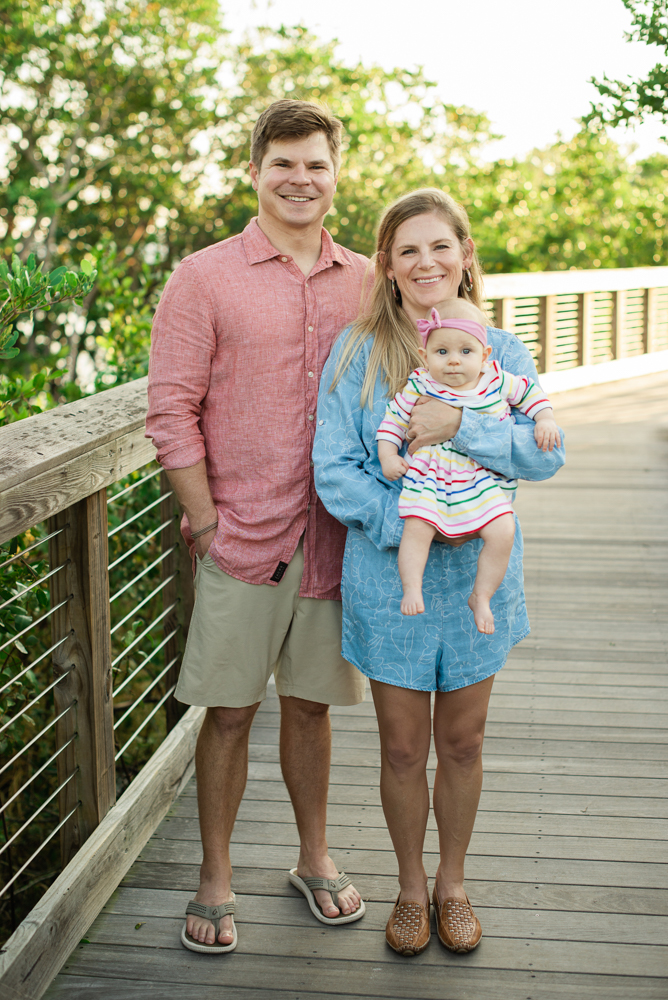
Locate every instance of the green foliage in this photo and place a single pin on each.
(128, 128)
(25, 288)
(626, 102)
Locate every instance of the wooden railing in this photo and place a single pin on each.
(77, 483)
(56, 471)
(573, 318)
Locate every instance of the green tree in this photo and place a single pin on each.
(627, 102)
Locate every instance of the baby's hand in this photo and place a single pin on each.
(394, 467)
(546, 433)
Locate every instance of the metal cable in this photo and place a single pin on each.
(146, 690)
(156, 562)
(34, 816)
(39, 735)
(141, 604)
(38, 772)
(133, 486)
(146, 631)
(114, 531)
(34, 701)
(37, 622)
(143, 663)
(40, 848)
(146, 720)
(34, 545)
(139, 544)
(35, 662)
(35, 584)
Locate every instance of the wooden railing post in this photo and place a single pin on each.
(585, 328)
(86, 659)
(179, 565)
(547, 331)
(618, 318)
(652, 295)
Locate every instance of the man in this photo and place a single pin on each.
(240, 337)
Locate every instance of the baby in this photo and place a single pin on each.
(445, 491)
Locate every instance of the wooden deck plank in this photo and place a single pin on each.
(379, 973)
(567, 863)
(496, 844)
(383, 888)
(640, 928)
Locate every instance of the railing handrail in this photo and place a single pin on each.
(528, 284)
(54, 459)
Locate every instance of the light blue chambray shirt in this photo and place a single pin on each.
(440, 649)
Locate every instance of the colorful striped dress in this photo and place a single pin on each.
(443, 485)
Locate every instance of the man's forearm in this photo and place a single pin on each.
(191, 486)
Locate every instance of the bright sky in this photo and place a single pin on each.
(525, 62)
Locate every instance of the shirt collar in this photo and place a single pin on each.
(258, 248)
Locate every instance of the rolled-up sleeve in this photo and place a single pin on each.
(183, 344)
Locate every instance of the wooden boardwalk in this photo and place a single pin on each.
(567, 867)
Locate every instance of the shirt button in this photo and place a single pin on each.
(309, 507)
(310, 416)
(311, 463)
(321, 422)
(310, 329)
(284, 259)
(310, 374)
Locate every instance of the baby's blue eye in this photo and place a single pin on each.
(442, 350)
(466, 350)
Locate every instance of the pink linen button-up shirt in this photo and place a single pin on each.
(239, 341)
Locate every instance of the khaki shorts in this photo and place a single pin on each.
(241, 633)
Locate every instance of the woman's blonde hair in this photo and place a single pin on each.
(395, 340)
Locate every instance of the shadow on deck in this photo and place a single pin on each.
(566, 868)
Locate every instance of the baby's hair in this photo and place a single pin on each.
(459, 309)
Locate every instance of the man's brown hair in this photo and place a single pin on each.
(287, 120)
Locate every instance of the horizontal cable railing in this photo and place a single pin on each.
(30, 782)
(67, 647)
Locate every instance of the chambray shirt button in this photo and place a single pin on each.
(310, 374)
(310, 329)
(310, 416)
(284, 259)
(321, 422)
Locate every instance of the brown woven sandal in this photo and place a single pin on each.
(458, 927)
(408, 931)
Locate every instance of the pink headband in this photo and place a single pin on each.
(425, 327)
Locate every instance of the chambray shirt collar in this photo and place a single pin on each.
(258, 248)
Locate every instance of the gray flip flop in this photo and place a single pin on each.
(331, 885)
(215, 915)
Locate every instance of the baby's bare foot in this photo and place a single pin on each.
(412, 603)
(482, 613)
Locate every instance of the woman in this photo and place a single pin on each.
(424, 254)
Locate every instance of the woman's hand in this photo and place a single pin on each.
(432, 421)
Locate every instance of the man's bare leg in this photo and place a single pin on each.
(493, 560)
(413, 554)
(306, 740)
(222, 768)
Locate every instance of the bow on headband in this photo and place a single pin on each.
(425, 327)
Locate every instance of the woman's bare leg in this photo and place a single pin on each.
(413, 554)
(459, 729)
(404, 721)
(493, 560)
